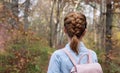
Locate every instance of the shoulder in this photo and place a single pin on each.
(55, 62)
(57, 54)
(94, 55)
(92, 52)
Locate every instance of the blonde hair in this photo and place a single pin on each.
(75, 24)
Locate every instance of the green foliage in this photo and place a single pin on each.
(114, 64)
(25, 53)
(110, 66)
(114, 68)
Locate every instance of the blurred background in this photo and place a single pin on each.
(30, 30)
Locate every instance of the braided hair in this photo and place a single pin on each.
(75, 24)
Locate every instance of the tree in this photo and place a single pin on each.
(11, 12)
(108, 27)
(26, 14)
(51, 25)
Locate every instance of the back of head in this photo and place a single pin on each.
(75, 25)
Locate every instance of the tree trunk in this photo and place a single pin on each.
(51, 25)
(26, 14)
(102, 24)
(108, 29)
(14, 8)
(57, 23)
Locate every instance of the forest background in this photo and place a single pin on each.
(30, 30)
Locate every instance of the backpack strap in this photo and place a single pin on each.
(70, 56)
(89, 60)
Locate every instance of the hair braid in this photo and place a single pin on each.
(75, 24)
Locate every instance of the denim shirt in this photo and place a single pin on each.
(60, 62)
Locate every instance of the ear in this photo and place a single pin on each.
(83, 33)
(65, 30)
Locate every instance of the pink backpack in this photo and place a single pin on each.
(84, 68)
